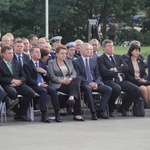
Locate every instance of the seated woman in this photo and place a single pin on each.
(136, 72)
(45, 52)
(64, 79)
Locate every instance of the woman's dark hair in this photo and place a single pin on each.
(60, 47)
(133, 47)
(44, 52)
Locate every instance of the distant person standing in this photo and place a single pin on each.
(112, 32)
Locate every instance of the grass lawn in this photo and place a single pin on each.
(145, 50)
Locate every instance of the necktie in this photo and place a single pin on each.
(39, 77)
(20, 60)
(88, 73)
(10, 67)
(112, 60)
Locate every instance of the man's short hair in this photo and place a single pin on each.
(30, 37)
(106, 42)
(3, 50)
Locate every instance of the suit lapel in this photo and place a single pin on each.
(32, 65)
(6, 68)
(109, 62)
(131, 66)
(90, 63)
(81, 62)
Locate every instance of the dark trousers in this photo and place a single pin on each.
(131, 90)
(52, 92)
(73, 89)
(106, 93)
(23, 90)
(116, 90)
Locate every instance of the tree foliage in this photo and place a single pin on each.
(68, 18)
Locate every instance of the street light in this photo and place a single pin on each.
(47, 18)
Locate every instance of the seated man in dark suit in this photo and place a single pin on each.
(12, 79)
(18, 53)
(113, 68)
(87, 70)
(38, 78)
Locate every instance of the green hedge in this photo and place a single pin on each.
(132, 34)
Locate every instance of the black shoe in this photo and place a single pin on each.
(58, 118)
(11, 103)
(123, 112)
(15, 109)
(45, 119)
(101, 114)
(76, 119)
(94, 117)
(63, 114)
(21, 118)
(111, 114)
(70, 101)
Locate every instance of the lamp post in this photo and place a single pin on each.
(47, 18)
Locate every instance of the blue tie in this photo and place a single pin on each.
(39, 79)
(20, 60)
(88, 72)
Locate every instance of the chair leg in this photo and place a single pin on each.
(3, 112)
(107, 111)
(30, 112)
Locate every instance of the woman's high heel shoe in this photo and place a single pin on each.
(70, 101)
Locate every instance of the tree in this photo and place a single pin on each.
(66, 17)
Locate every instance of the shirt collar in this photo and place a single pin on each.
(18, 55)
(6, 61)
(109, 55)
(35, 61)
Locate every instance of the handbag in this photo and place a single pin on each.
(138, 108)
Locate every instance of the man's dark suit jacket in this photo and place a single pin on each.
(77, 54)
(25, 57)
(31, 73)
(5, 75)
(130, 73)
(105, 64)
(81, 72)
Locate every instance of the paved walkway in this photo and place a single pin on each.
(118, 133)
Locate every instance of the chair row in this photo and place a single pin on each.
(31, 111)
